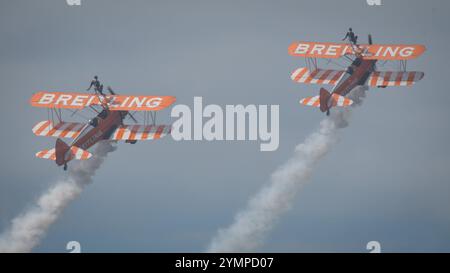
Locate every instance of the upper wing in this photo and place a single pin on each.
(392, 52)
(115, 102)
(140, 132)
(318, 76)
(375, 51)
(62, 129)
(319, 50)
(394, 78)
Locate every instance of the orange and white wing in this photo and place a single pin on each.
(62, 129)
(139, 103)
(336, 50)
(318, 76)
(394, 78)
(115, 102)
(319, 50)
(65, 100)
(140, 132)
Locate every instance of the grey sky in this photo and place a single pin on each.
(386, 180)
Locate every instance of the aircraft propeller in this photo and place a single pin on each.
(129, 114)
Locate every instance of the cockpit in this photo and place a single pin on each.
(357, 62)
(93, 122)
(102, 115)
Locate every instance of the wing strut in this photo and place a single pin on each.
(150, 116)
(311, 63)
(52, 113)
(403, 65)
(153, 116)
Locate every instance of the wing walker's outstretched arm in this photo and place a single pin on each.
(346, 36)
(92, 83)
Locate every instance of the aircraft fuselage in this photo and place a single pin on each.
(356, 75)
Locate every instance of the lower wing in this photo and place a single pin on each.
(61, 129)
(375, 79)
(140, 132)
(394, 78)
(318, 76)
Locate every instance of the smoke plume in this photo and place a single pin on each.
(29, 228)
(251, 225)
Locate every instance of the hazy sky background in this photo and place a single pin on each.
(386, 180)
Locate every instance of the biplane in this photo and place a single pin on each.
(361, 71)
(108, 123)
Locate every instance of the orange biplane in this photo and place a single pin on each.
(362, 70)
(108, 124)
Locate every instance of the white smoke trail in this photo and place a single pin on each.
(263, 210)
(29, 228)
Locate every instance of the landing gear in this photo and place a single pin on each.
(65, 166)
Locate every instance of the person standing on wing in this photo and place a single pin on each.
(351, 36)
(97, 86)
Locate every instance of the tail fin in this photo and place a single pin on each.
(324, 98)
(61, 149)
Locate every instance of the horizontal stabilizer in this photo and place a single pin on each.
(47, 154)
(311, 101)
(341, 101)
(75, 153)
(336, 100)
(79, 153)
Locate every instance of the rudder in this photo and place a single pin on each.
(61, 149)
(324, 96)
